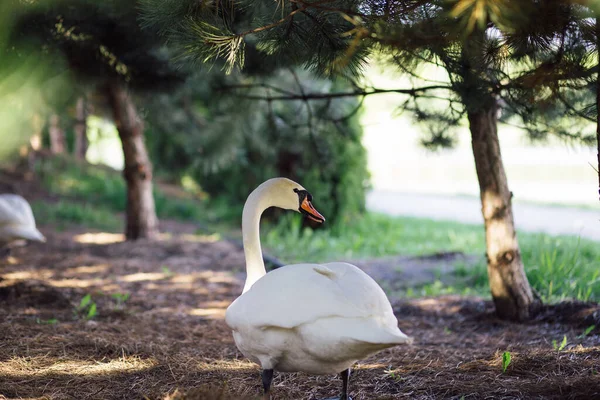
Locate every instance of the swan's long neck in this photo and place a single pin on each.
(253, 209)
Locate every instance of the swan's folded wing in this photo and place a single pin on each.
(15, 209)
(298, 294)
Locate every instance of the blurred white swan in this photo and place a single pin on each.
(16, 220)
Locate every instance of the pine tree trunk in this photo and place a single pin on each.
(57, 135)
(141, 213)
(510, 289)
(81, 140)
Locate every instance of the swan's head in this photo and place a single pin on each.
(290, 195)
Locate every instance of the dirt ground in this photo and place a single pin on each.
(168, 340)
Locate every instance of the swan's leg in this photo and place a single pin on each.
(267, 378)
(4, 252)
(345, 383)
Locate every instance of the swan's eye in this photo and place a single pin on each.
(302, 195)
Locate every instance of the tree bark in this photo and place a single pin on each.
(57, 135)
(510, 288)
(81, 140)
(141, 214)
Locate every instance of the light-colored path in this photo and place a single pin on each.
(528, 217)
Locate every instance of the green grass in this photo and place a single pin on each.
(94, 191)
(562, 267)
(373, 235)
(557, 267)
(65, 213)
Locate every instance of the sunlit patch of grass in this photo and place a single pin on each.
(24, 367)
(438, 288)
(99, 238)
(373, 235)
(226, 365)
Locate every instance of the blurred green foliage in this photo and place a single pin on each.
(33, 80)
(230, 144)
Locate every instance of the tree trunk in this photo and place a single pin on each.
(141, 213)
(57, 135)
(511, 292)
(81, 140)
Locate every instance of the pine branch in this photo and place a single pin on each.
(322, 96)
(222, 43)
(320, 6)
(309, 112)
(349, 115)
(572, 109)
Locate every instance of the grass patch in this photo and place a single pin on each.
(373, 235)
(562, 267)
(64, 213)
(558, 268)
(103, 189)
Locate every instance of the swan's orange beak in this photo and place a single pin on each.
(308, 209)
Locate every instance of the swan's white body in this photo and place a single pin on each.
(16, 220)
(314, 318)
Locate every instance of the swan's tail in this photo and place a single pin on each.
(375, 333)
(366, 330)
(23, 232)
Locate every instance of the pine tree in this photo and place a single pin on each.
(494, 54)
(104, 46)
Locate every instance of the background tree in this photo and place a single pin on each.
(488, 49)
(80, 128)
(102, 43)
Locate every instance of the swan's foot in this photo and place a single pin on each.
(4, 252)
(345, 381)
(267, 378)
(339, 398)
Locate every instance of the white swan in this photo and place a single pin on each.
(314, 318)
(16, 220)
